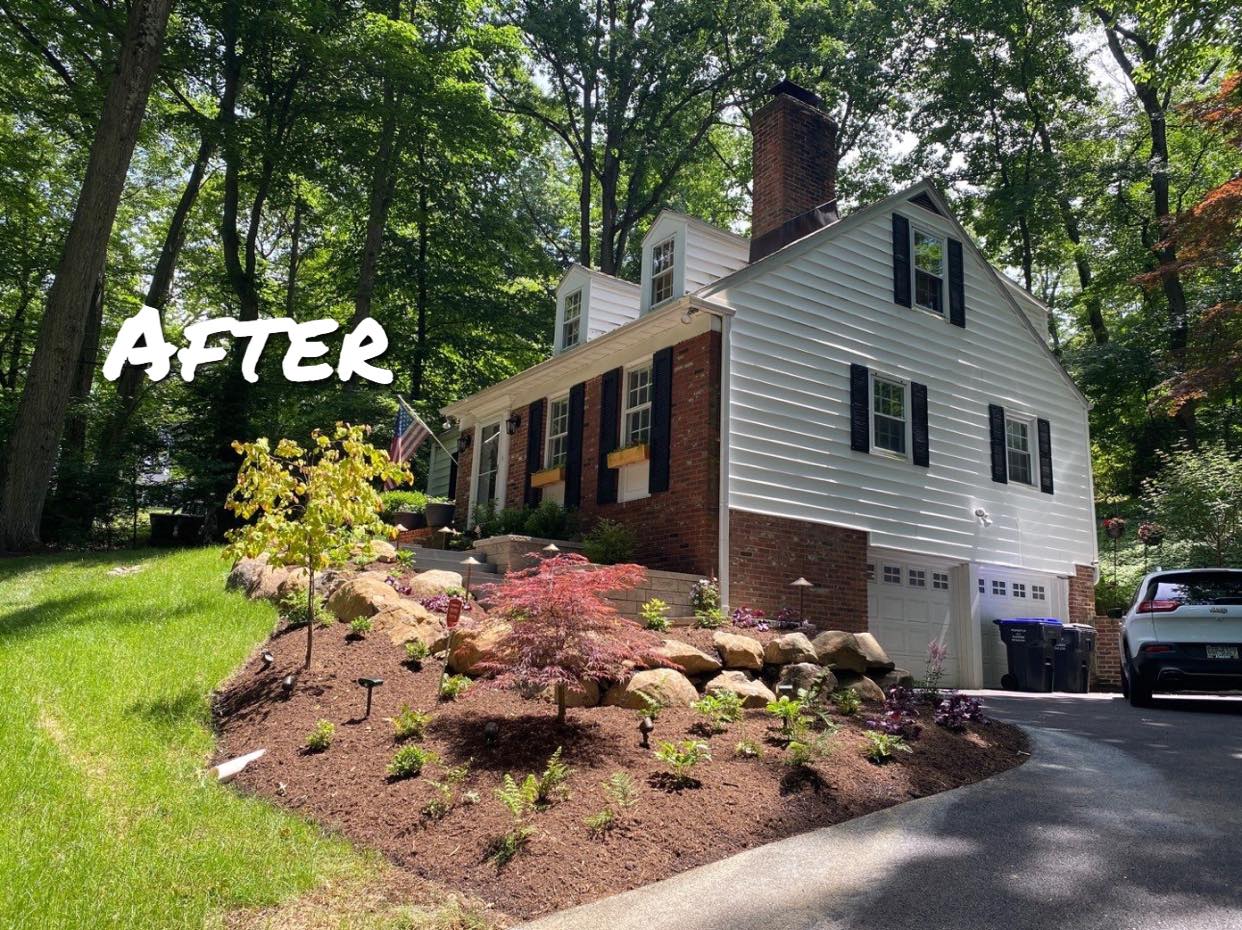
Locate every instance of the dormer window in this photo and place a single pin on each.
(571, 324)
(661, 271)
(928, 271)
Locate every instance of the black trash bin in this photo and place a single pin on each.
(1072, 664)
(1030, 643)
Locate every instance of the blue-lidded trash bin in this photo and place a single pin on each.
(1030, 643)
(1072, 662)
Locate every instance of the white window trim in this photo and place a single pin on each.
(502, 463)
(547, 430)
(671, 271)
(1032, 452)
(943, 314)
(871, 415)
(623, 439)
(565, 320)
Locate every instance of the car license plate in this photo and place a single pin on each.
(1222, 652)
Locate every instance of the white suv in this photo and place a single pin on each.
(1183, 633)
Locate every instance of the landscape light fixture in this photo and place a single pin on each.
(551, 549)
(268, 659)
(513, 424)
(470, 562)
(491, 733)
(801, 584)
(287, 684)
(370, 684)
(645, 726)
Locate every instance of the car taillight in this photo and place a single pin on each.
(1158, 607)
(1157, 647)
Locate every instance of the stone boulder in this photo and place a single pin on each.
(789, 648)
(738, 651)
(802, 675)
(471, 644)
(687, 658)
(867, 689)
(269, 584)
(409, 621)
(840, 650)
(898, 676)
(295, 582)
(752, 691)
(363, 595)
(433, 582)
(245, 574)
(877, 658)
(584, 694)
(667, 687)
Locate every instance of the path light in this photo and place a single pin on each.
(801, 584)
(645, 726)
(287, 684)
(491, 733)
(370, 684)
(268, 659)
(551, 549)
(470, 562)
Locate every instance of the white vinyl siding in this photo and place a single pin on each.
(557, 449)
(803, 317)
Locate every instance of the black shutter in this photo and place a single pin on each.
(901, 260)
(661, 419)
(957, 285)
(918, 424)
(860, 416)
(996, 427)
(1044, 428)
(534, 449)
(609, 433)
(573, 452)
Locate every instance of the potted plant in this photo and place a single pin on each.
(629, 455)
(404, 509)
(440, 511)
(1115, 527)
(1152, 534)
(547, 476)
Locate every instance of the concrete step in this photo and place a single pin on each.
(427, 559)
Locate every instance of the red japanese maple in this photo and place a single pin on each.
(563, 631)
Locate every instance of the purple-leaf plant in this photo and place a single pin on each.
(956, 710)
(900, 716)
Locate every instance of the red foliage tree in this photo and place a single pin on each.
(563, 632)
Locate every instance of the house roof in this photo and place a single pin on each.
(576, 267)
(703, 225)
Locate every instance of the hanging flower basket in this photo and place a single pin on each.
(1152, 534)
(1115, 527)
(547, 476)
(639, 452)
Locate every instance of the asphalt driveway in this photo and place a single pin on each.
(1121, 820)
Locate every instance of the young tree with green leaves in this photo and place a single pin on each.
(1197, 496)
(310, 507)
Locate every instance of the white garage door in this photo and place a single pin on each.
(909, 605)
(1007, 593)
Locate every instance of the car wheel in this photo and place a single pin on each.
(1138, 694)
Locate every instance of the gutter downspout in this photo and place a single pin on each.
(722, 491)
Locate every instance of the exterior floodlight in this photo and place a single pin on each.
(370, 684)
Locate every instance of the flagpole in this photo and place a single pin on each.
(430, 432)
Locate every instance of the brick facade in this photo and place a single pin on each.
(1082, 595)
(767, 553)
(465, 461)
(1106, 675)
(794, 168)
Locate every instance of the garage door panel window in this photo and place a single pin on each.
(918, 578)
(1019, 590)
(1038, 592)
(892, 574)
(998, 588)
(940, 581)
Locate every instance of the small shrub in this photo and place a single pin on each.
(712, 619)
(602, 822)
(881, 746)
(360, 626)
(705, 595)
(321, 737)
(651, 707)
(551, 783)
(847, 701)
(549, 521)
(900, 716)
(408, 761)
(405, 558)
(789, 712)
(295, 611)
(682, 758)
(956, 710)
(803, 752)
(446, 792)
(609, 543)
(453, 686)
(416, 651)
(410, 723)
(720, 709)
(655, 615)
(748, 749)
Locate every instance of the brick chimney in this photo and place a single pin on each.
(794, 160)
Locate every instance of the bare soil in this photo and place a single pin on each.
(735, 804)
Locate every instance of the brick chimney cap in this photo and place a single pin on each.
(798, 92)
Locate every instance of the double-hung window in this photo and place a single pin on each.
(928, 271)
(661, 271)
(888, 414)
(557, 450)
(1019, 450)
(636, 423)
(571, 322)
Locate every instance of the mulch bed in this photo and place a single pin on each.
(739, 803)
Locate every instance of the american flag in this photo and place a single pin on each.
(408, 434)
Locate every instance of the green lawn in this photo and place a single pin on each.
(107, 818)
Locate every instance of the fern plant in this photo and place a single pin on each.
(519, 799)
(446, 791)
(720, 709)
(847, 701)
(410, 723)
(408, 761)
(551, 783)
(881, 746)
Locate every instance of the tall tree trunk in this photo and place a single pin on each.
(40, 419)
(420, 296)
(295, 257)
(74, 442)
(588, 172)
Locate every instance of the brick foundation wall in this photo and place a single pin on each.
(1106, 674)
(676, 529)
(767, 553)
(1082, 595)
